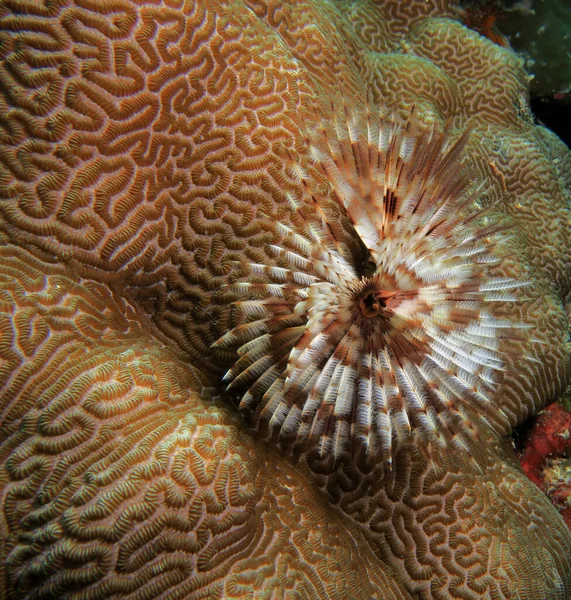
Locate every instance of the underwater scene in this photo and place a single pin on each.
(285, 299)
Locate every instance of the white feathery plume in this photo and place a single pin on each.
(330, 357)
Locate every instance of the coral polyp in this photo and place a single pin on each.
(339, 347)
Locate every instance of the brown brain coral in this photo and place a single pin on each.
(141, 161)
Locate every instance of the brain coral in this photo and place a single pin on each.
(141, 156)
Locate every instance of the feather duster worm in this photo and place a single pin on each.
(334, 351)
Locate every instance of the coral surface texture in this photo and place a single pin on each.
(278, 278)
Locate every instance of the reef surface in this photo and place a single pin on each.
(141, 156)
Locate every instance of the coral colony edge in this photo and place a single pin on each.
(278, 281)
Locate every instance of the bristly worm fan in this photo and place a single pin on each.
(333, 353)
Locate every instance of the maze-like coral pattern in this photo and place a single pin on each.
(141, 161)
(124, 482)
(138, 142)
(456, 528)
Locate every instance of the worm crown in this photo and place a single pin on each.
(335, 351)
